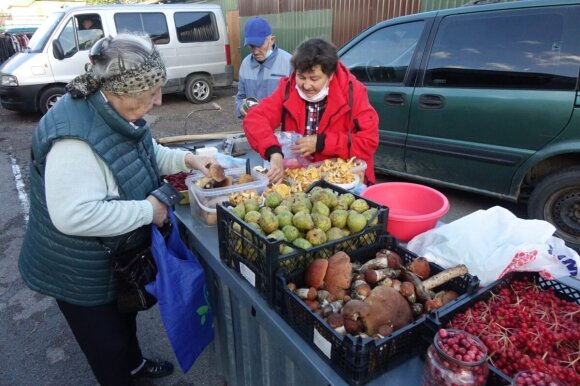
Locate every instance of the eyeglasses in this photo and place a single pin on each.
(97, 48)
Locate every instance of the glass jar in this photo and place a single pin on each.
(443, 369)
(534, 378)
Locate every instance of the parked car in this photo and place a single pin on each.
(482, 98)
(191, 38)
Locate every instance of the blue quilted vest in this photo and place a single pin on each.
(77, 269)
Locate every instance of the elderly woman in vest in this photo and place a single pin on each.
(94, 166)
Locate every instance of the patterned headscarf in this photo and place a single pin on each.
(130, 81)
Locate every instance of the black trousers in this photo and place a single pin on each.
(108, 339)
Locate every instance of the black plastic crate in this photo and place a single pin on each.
(258, 258)
(359, 360)
(440, 318)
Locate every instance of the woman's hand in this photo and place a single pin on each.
(160, 215)
(199, 162)
(305, 146)
(276, 172)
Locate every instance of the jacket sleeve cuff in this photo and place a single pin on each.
(320, 138)
(271, 150)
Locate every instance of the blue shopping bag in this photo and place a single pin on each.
(180, 287)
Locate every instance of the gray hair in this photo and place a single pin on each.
(127, 64)
(123, 52)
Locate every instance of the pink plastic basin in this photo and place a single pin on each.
(413, 208)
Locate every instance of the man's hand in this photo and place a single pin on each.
(305, 146)
(243, 112)
(276, 172)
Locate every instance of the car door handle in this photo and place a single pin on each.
(431, 101)
(395, 98)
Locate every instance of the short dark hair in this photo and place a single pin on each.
(315, 51)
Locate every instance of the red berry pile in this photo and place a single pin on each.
(526, 327)
(177, 180)
(534, 378)
(460, 346)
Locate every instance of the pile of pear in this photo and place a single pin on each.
(307, 219)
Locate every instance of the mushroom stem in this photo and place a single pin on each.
(444, 276)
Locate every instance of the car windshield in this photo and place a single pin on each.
(43, 33)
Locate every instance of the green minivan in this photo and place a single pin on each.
(483, 98)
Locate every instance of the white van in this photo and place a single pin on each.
(191, 38)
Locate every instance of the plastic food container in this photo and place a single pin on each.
(203, 202)
(413, 208)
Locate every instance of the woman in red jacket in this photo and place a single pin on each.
(322, 101)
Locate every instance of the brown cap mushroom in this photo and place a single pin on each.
(420, 267)
(338, 274)
(355, 309)
(388, 306)
(217, 172)
(314, 275)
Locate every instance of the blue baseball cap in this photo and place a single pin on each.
(256, 31)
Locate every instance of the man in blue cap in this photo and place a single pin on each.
(260, 71)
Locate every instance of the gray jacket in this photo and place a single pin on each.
(259, 80)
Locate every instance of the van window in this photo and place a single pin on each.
(384, 55)
(67, 39)
(90, 29)
(153, 24)
(503, 50)
(196, 27)
(43, 33)
(73, 38)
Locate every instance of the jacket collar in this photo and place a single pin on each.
(114, 120)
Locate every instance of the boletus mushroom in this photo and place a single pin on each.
(388, 306)
(338, 275)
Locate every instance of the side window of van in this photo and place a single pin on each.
(196, 27)
(502, 50)
(75, 37)
(384, 55)
(153, 24)
(90, 29)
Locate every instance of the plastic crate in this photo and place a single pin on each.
(258, 258)
(203, 201)
(441, 317)
(356, 359)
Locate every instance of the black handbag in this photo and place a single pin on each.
(132, 272)
(133, 268)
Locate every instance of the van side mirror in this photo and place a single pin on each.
(57, 50)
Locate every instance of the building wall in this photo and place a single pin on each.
(338, 20)
(31, 13)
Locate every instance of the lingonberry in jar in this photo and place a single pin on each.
(534, 378)
(455, 358)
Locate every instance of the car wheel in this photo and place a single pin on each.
(198, 89)
(556, 199)
(49, 97)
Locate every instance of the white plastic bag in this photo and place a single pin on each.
(494, 242)
(229, 162)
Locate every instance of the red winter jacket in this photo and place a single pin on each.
(263, 119)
